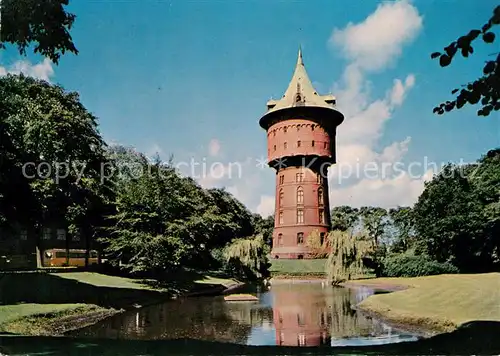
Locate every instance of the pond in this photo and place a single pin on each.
(299, 314)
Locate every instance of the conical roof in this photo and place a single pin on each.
(300, 92)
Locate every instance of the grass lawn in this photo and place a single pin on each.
(102, 280)
(439, 303)
(298, 267)
(12, 312)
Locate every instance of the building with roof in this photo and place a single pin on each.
(301, 130)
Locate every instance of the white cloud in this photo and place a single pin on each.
(379, 39)
(214, 147)
(266, 205)
(42, 70)
(367, 174)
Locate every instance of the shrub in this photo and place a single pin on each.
(415, 266)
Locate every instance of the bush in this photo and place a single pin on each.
(414, 266)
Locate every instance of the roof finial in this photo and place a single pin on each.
(299, 59)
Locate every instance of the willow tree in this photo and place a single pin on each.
(346, 256)
(248, 257)
(317, 248)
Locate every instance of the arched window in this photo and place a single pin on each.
(300, 195)
(280, 202)
(320, 196)
(281, 217)
(280, 239)
(312, 144)
(284, 129)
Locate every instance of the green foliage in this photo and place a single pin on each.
(247, 257)
(43, 23)
(346, 257)
(486, 89)
(457, 215)
(404, 265)
(51, 158)
(317, 248)
(403, 224)
(264, 227)
(344, 218)
(374, 221)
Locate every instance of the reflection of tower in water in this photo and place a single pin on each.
(300, 320)
(306, 315)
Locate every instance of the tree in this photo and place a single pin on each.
(374, 221)
(46, 24)
(344, 218)
(264, 227)
(457, 215)
(53, 158)
(345, 260)
(317, 248)
(402, 221)
(248, 257)
(485, 89)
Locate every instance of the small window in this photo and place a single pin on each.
(23, 235)
(300, 216)
(46, 234)
(312, 143)
(302, 340)
(299, 177)
(280, 239)
(321, 216)
(324, 145)
(320, 196)
(300, 195)
(298, 127)
(282, 179)
(284, 129)
(300, 238)
(300, 318)
(275, 147)
(274, 133)
(61, 234)
(280, 202)
(298, 143)
(281, 217)
(284, 145)
(312, 127)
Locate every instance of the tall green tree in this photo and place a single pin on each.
(403, 224)
(53, 160)
(457, 215)
(44, 24)
(344, 218)
(485, 89)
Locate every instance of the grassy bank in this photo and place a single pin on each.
(49, 319)
(282, 268)
(436, 303)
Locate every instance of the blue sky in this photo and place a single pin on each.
(191, 78)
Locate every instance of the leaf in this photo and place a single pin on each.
(435, 55)
(444, 60)
(489, 37)
(489, 67)
(473, 34)
(454, 91)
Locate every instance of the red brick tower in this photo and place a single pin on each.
(301, 128)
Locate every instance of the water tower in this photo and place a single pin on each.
(301, 129)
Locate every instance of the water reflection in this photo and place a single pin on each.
(288, 314)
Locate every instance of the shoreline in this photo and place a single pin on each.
(61, 322)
